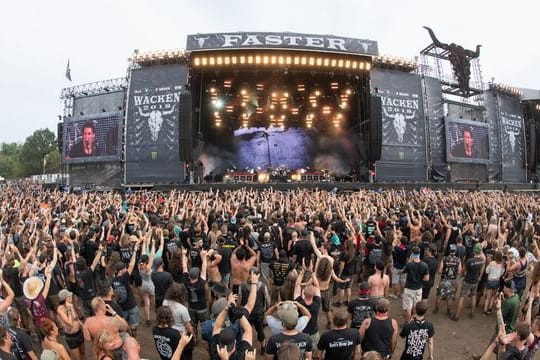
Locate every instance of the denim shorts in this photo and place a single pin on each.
(132, 316)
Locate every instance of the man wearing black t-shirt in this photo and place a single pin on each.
(162, 280)
(22, 346)
(302, 250)
(418, 333)
(279, 270)
(417, 274)
(5, 345)
(473, 270)
(361, 308)
(342, 342)
(224, 265)
(124, 294)
(267, 253)
(195, 282)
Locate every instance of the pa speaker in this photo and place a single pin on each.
(185, 128)
(375, 129)
(60, 136)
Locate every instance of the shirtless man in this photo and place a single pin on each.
(241, 266)
(415, 226)
(115, 325)
(378, 282)
(324, 271)
(212, 270)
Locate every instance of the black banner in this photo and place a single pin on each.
(403, 126)
(92, 138)
(435, 120)
(494, 166)
(153, 122)
(512, 134)
(280, 41)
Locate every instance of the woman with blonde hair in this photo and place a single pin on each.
(103, 346)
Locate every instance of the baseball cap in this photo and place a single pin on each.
(288, 314)
(510, 285)
(194, 272)
(158, 262)
(220, 290)
(218, 306)
(227, 337)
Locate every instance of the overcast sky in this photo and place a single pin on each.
(37, 37)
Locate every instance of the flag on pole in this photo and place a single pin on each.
(68, 71)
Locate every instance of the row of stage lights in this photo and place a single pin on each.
(279, 108)
(157, 56)
(201, 61)
(503, 88)
(389, 61)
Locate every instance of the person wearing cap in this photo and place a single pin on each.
(361, 308)
(417, 273)
(472, 272)
(162, 280)
(273, 318)
(124, 293)
(195, 282)
(288, 315)
(341, 342)
(225, 338)
(380, 332)
(449, 268)
(71, 325)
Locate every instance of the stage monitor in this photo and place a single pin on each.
(467, 141)
(92, 138)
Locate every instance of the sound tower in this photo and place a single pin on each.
(375, 129)
(185, 128)
(60, 136)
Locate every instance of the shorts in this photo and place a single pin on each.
(132, 316)
(345, 285)
(446, 290)
(468, 289)
(325, 300)
(74, 341)
(148, 287)
(315, 337)
(493, 284)
(426, 289)
(410, 298)
(398, 277)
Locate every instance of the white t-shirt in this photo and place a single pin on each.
(180, 314)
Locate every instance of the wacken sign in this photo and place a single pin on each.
(281, 40)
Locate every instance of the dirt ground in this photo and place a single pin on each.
(453, 340)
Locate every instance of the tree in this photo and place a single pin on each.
(34, 149)
(10, 160)
(53, 164)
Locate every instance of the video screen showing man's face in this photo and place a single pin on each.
(467, 142)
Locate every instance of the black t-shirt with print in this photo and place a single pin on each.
(417, 334)
(123, 292)
(339, 344)
(415, 272)
(314, 308)
(473, 266)
(166, 341)
(196, 292)
(239, 349)
(275, 342)
(360, 309)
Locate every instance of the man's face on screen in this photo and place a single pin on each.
(88, 136)
(468, 142)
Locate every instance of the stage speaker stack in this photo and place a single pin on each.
(375, 129)
(60, 136)
(185, 128)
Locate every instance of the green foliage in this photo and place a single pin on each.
(23, 160)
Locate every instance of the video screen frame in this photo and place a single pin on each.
(107, 137)
(455, 148)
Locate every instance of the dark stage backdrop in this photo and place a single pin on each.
(403, 125)
(494, 166)
(512, 131)
(103, 174)
(435, 119)
(152, 125)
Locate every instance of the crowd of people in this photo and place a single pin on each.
(296, 274)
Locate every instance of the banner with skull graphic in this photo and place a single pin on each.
(512, 137)
(152, 126)
(403, 126)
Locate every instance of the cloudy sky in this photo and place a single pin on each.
(37, 37)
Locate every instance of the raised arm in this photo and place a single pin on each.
(9, 297)
(131, 265)
(254, 280)
(298, 284)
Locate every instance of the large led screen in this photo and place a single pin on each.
(467, 141)
(92, 138)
